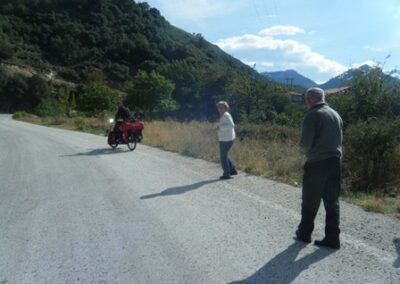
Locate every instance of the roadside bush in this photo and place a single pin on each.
(38, 90)
(20, 115)
(372, 155)
(371, 95)
(80, 124)
(151, 92)
(15, 91)
(49, 107)
(96, 97)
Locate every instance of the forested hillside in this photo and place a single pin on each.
(127, 46)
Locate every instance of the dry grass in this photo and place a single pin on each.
(371, 203)
(268, 157)
(85, 124)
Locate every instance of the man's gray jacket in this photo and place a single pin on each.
(322, 136)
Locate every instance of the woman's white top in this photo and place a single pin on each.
(226, 130)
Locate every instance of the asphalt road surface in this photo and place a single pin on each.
(74, 211)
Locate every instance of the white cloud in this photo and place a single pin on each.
(281, 30)
(293, 52)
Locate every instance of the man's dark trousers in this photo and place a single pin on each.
(321, 180)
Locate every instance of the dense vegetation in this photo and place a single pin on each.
(120, 44)
(371, 113)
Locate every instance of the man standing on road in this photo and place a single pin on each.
(321, 141)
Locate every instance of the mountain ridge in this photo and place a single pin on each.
(284, 77)
(290, 77)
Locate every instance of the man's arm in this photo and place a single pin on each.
(308, 132)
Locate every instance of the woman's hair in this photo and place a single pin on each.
(223, 103)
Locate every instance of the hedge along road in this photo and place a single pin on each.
(74, 211)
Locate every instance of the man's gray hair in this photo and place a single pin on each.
(316, 94)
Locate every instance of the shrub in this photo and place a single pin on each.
(371, 95)
(372, 155)
(49, 107)
(80, 124)
(151, 92)
(6, 49)
(96, 97)
(117, 72)
(20, 115)
(69, 74)
(38, 90)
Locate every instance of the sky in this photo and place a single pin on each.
(320, 39)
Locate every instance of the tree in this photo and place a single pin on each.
(371, 95)
(38, 89)
(6, 50)
(117, 72)
(64, 98)
(150, 92)
(96, 97)
(187, 82)
(15, 91)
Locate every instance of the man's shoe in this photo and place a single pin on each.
(225, 177)
(335, 244)
(233, 173)
(300, 237)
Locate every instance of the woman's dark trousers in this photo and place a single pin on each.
(321, 180)
(226, 164)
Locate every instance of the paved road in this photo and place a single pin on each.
(74, 211)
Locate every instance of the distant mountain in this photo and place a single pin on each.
(347, 76)
(291, 78)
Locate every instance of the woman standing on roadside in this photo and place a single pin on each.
(226, 135)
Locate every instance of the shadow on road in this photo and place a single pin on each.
(396, 263)
(98, 152)
(284, 268)
(179, 189)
